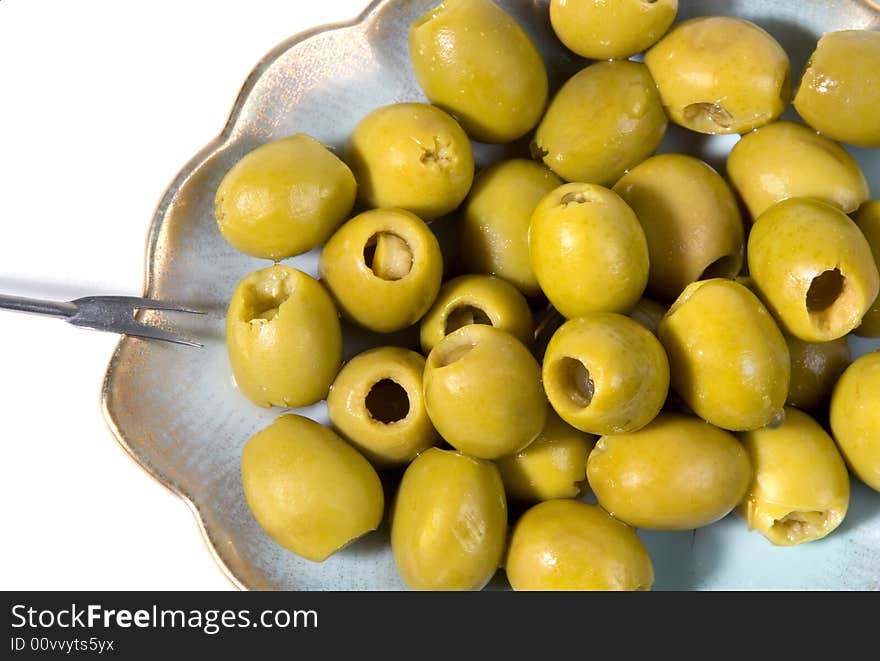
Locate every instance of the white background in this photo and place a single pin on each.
(101, 103)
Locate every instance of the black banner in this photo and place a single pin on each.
(136, 625)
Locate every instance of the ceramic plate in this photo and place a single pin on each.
(177, 413)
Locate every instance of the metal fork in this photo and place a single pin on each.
(105, 313)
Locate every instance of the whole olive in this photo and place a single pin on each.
(569, 545)
(784, 160)
(474, 60)
(840, 89)
(588, 250)
(676, 473)
(449, 522)
(603, 121)
(483, 392)
(308, 489)
(284, 198)
(727, 358)
(603, 30)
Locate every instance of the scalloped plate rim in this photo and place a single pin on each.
(158, 219)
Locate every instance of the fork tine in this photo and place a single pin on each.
(133, 303)
(152, 332)
(116, 314)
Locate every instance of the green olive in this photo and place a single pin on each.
(495, 220)
(605, 119)
(691, 221)
(552, 466)
(815, 368)
(605, 374)
(473, 59)
(868, 220)
(855, 418)
(800, 489)
(569, 545)
(483, 392)
(283, 338)
(376, 403)
(813, 267)
(602, 30)
(728, 359)
(477, 299)
(784, 160)
(384, 268)
(719, 74)
(284, 198)
(588, 250)
(648, 313)
(449, 524)
(413, 156)
(840, 89)
(308, 489)
(677, 473)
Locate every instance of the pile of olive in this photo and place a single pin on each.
(543, 367)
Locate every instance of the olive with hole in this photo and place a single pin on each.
(603, 30)
(495, 220)
(483, 392)
(785, 159)
(284, 198)
(570, 545)
(605, 374)
(813, 267)
(603, 121)
(552, 466)
(588, 250)
(840, 89)
(677, 473)
(384, 268)
(855, 418)
(376, 404)
(815, 368)
(474, 60)
(413, 156)
(283, 338)
(727, 358)
(477, 299)
(308, 489)
(449, 522)
(690, 218)
(868, 220)
(720, 74)
(800, 489)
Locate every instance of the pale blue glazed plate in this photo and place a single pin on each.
(175, 409)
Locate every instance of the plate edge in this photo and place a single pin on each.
(156, 223)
